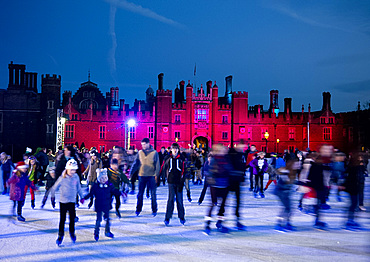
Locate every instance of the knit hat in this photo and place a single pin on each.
(71, 164)
(94, 153)
(101, 172)
(21, 164)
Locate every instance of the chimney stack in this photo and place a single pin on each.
(182, 90)
(209, 87)
(326, 101)
(287, 105)
(229, 89)
(274, 100)
(160, 81)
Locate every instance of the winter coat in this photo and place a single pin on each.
(103, 195)
(7, 165)
(17, 185)
(43, 158)
(338, 170)
(49, 182)
(69, 188)
(147, 163)
(355, 179)
(33, 172)
(117, 177)
(173, 168)
(91, 170)
(250, 156)
(316, 176)
(259, 166)
(219, 172)
(238, 162)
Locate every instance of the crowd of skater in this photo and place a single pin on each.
(222, 171)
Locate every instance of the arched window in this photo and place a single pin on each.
(85, 104)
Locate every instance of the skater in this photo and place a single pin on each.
(283, 191)
(173, 169)
(17, 183)
(33, 171)
(90, 172)
(356, 172)
(218, 179)
(6, 166)
(259, 166)
(237, 158)
(162, 154)
(188, 173)
(148, 165)
(102, 190)
(50, 181)
(116, 177)
(69, 184)
(252, 154)
(317, 180)
(276, 163)
(205, 171)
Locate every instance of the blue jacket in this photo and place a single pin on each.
(103, 194)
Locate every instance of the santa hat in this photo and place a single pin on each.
(21, 165)
(71, 164)
(101, 173)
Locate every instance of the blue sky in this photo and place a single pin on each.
(301, 48)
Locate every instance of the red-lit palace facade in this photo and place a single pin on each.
(201, 118)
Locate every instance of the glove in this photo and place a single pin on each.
(82, 200)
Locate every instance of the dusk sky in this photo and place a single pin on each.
(301, 48)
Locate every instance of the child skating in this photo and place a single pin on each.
(69, 184)
(17, 183)
(103, 191)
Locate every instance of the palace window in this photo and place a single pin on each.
(249, 136)
(327, 133)
(224, 119)
(291, 133)
(50, 104)
(331, 120)
(85, 94)
(201, 114)
(291, 148)
(74, 117)
(70, 131)
(177, 118)
(224, 135)
(177, 134)
(151, 132)
(101, 148)
(322, 120)
(102, 132)
(133, 132)
(49, 128)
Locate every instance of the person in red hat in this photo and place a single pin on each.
(17, 183)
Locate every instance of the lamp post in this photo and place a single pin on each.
(130, 123)
(266, 137)
(277, 145)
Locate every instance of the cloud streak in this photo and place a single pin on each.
(138, 9)
(360, 87)
(112, 33)
(348, 23)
